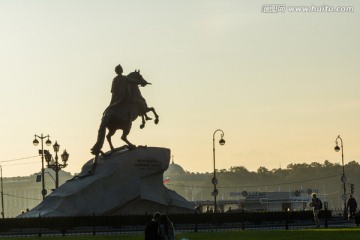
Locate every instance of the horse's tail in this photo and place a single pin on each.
(106, 110)
(96, 149)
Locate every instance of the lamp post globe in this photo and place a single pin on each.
(48, 157)
(56, 147)
(36, 142)
(65, 156)
(48, 142)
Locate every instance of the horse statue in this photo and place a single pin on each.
(121, 114)
(142, 107)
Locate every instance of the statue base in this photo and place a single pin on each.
(124, 183)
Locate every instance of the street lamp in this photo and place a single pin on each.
(214, 180)
(343, 177)
(48, 143)
(55, 165)
(2, 195)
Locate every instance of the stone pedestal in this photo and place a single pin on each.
(127, 182)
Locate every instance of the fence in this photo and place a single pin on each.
(134, 224)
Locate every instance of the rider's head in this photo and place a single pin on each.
(118, 69)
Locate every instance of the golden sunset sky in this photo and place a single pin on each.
(282, 86)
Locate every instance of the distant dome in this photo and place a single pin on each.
(174, 169)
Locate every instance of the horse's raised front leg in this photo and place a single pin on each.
(143, 122)
(147, 118)
(156, 115)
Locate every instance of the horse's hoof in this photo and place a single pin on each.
(94, 151)
(108, 153)
(131, 147)
(156, 121)
(103, 154)
(142, 126)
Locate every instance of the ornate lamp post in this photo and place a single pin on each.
(214, 180)
(48, 143)
(55, 165)
(343, 177)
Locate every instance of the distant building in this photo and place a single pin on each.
(275, 201)
(22, 193)
(184, 183)
(174, 169)
(197, 187)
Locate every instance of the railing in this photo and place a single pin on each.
(135, 224)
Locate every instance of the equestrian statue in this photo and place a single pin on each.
(126, 105)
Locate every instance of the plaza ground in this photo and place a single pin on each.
(310, 234)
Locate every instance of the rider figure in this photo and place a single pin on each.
(119, 86)
(120, 90)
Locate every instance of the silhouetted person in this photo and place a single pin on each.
(198, 209)
(211, 210)
(152, 228)
(352, 206)
(167, 231)
(316, 206)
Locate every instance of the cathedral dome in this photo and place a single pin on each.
(174, 169)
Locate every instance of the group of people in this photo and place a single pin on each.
(316, 204)
(160, 228)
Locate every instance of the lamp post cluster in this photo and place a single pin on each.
(343, 177)
(48, 143)
(214, 180)
(55, 165)
(52, 163)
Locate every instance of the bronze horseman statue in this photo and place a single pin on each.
(126, 105)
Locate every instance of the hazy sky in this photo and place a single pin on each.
(282, 86)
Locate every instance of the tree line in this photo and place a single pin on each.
(326, 178)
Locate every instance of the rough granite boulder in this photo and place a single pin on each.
(127, 182)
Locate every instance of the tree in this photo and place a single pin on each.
(239, 169)
(328, 164)
(315, 165)
(263, 170)
(353, 164)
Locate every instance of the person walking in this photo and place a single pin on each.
(352, 206)
(167, 231)
(152, 228)
(316, 206)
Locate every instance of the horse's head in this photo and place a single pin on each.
(136, 75)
